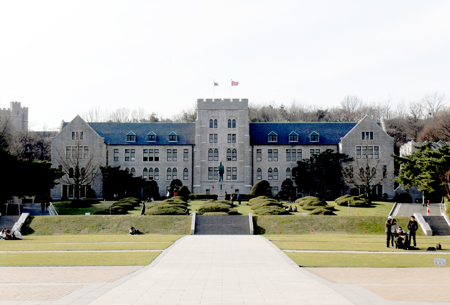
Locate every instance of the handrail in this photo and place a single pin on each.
(52, 210)
(250, 222)
(193, 223)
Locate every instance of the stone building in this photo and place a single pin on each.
(191, 152)
(16, 117)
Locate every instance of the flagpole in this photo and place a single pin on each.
(231, 90)
(214, 88)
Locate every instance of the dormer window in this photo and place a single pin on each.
(131, 137)
(173, 137)
(273, 137)
(293, 137)
(367, 135)
(314, 137)
(151, 137)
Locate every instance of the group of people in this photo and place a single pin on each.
(8, 235)
(395, 235)
(134, 231)
(233, 197)
(290, 209)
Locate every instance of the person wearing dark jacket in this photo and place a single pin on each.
(413, 227)
(387, 230)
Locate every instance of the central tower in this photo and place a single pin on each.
(222, 135)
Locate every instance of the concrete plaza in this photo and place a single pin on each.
(223, 269)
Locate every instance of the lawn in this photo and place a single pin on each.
(50, 244)
(358, 242)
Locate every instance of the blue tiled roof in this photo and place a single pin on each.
(329, 133)
(115, 133)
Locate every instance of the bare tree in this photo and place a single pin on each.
(81, 166)
(363, 174)
(433, 103)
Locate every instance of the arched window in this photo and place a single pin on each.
(234, 155)
(288, 173)
(70, 172)
(174, 173)
(169, 174)
(127, 170)
(156, 173)
(275, 173)
(133, 171)
(229, 123)
(228, 154)
(145, 173)
(211, 123)
(216, 155)
(150, 173)
(215, 123)
(234, 123)
(185, 174)
(269, 174)
(258, 174)
(210, 154)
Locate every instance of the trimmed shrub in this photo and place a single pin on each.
(214, 206)
(243, 196)
(215, 213)
(270, 210)
(115, 210)
(83, 203)
(355, 201)
(184, 192)
(321, 211)
(126, 206)
(177, 200)
(264, 205)
(310, 202)
(132, 200)
(403, 198)
(169, 209)
(260, 188)
(193, 196)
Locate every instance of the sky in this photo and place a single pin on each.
(63, 58)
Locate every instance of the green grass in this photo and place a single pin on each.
(63, 209)
(92, 238)
(378, 208)
(85, 246)
(105, 224)
(347, 242)
(365, 259)
(78, 259)
(323, 224)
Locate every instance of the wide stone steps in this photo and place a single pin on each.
(438, 225)
(222, 225)
(8, 221)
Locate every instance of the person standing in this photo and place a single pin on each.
(394, 228)
(413, 227)
(143, 208)
(387, 230)
(239, 199)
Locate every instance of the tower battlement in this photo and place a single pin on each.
(222, 104)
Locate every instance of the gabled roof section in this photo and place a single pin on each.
(113, 133)
(172, 133)
(151, 133)
(131, 133)
(330, 132)
(293, 133)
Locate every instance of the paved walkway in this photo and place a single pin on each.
(408, 209)
(214, 269)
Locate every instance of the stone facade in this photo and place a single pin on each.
(15, 116)
(250, 152)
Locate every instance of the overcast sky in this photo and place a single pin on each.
(62, 58)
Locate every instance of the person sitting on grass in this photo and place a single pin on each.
(295, 208)
(134, 231)
(17, 235)
(290, 209)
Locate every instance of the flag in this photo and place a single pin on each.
(233, 83)
(216, 84)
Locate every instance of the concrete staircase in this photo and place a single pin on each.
(222, 225)
(438, 225)
(8, 221)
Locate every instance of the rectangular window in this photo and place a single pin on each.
(299, 155)
(116, 155)
(151, 138)
(211, 138)
(275, 174)
(215, 138)
(358, 152)
(145, 155)
(367, 135)
(234, 173)
(133, 155)
(258, 174)
(233, 138)
(364, 152)
(174, 155)
(275, 190)
(86, 152)
(370, 152)
(156, 173)
(150, 155)
(169, 155)
(68, 152)
(185, 174)
(208, 191)
(228, 173)
(258, 155)
(294, 155)
(288, 155)
(229, 138)
(376, 152)
(384, 171)
(210, 173)
(275, 155)
(269, 155)
(314, 152)
(74, 137)
(81, 135)
(127, 155)
(185, 155)
(216, 173)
